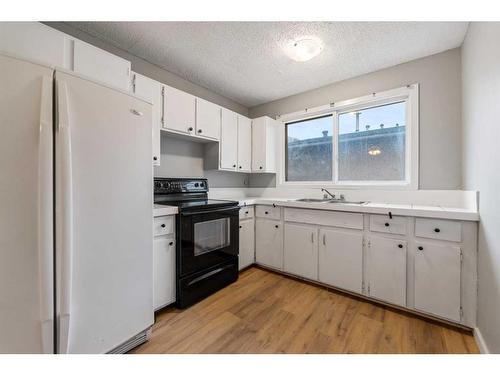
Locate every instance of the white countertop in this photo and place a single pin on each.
(370, 207)
(162, 210)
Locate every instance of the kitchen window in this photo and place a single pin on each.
(370, 141)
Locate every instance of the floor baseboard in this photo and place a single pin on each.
(483, 348)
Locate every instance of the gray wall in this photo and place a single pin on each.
(481, 135)
(439, 77)
(183, 158)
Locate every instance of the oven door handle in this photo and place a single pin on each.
(216, 210)
(208, 274)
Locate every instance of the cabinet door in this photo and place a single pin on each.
(247, 243)
(33, 41)
(387, 270)
(163, 271)
(151, 90)
(258, 145)
(178, 110)
(208, 118)
(269, 243)
(244, 144)
(301, 250)
(229, 140)
(101, 65)
(341, 259)
(437, 279)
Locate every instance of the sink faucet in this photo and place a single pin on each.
(327, 193)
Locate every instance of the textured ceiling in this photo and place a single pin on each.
(244, 61)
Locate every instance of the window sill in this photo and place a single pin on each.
(348, 186)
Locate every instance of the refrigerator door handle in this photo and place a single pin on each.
(66, 216)
(45, 217)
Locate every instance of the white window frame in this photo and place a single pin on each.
(409, 94)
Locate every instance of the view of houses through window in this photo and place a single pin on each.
(371, 146)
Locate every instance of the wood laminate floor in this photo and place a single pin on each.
(264, 312)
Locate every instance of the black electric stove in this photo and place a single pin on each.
(207, 237)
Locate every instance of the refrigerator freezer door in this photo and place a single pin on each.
(104, 250)
(26, 213)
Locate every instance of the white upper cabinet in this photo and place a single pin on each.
(301, 250)
(341, 258)
(387, 270)
(437, 279)
(229, 140)
(264, 144)
(208, 119)
(100, 65)
(244, 144)
(179, 110)
(33, 41)
(150, 89)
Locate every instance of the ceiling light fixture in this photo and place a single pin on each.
(304, 49)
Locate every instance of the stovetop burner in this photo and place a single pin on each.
(199, 204)
(186, 194)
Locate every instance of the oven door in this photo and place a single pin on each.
(207, 238)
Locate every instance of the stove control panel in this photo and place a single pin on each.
(163, 185)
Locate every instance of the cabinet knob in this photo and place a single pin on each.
(386, 224)
(190, 129)
(246, 212)
(199, 131)
(240, 226)
(276, 226)
(163, 225)
(400, 246)
(266, 212)
(260, 167)
(437, 230)
(420, 248)
(171, 243)
(155, 158)
(240, 166)
(234, 166)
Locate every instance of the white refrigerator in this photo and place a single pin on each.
(75, 213)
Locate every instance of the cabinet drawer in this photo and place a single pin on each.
(163, 225)
(246, 213)
(268, 212)
(323, 217)
(384, 224)
(439, 229)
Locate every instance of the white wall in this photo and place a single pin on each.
(439, 77)
(481, 157)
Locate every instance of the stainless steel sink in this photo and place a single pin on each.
(346, 202)
(313, 200)
(329, 200)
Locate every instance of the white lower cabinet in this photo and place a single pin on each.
(437, 279)
(163, 267)
(247, 243)
(387, 270)
(301, 250)
(269, 243)
(341, 259)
